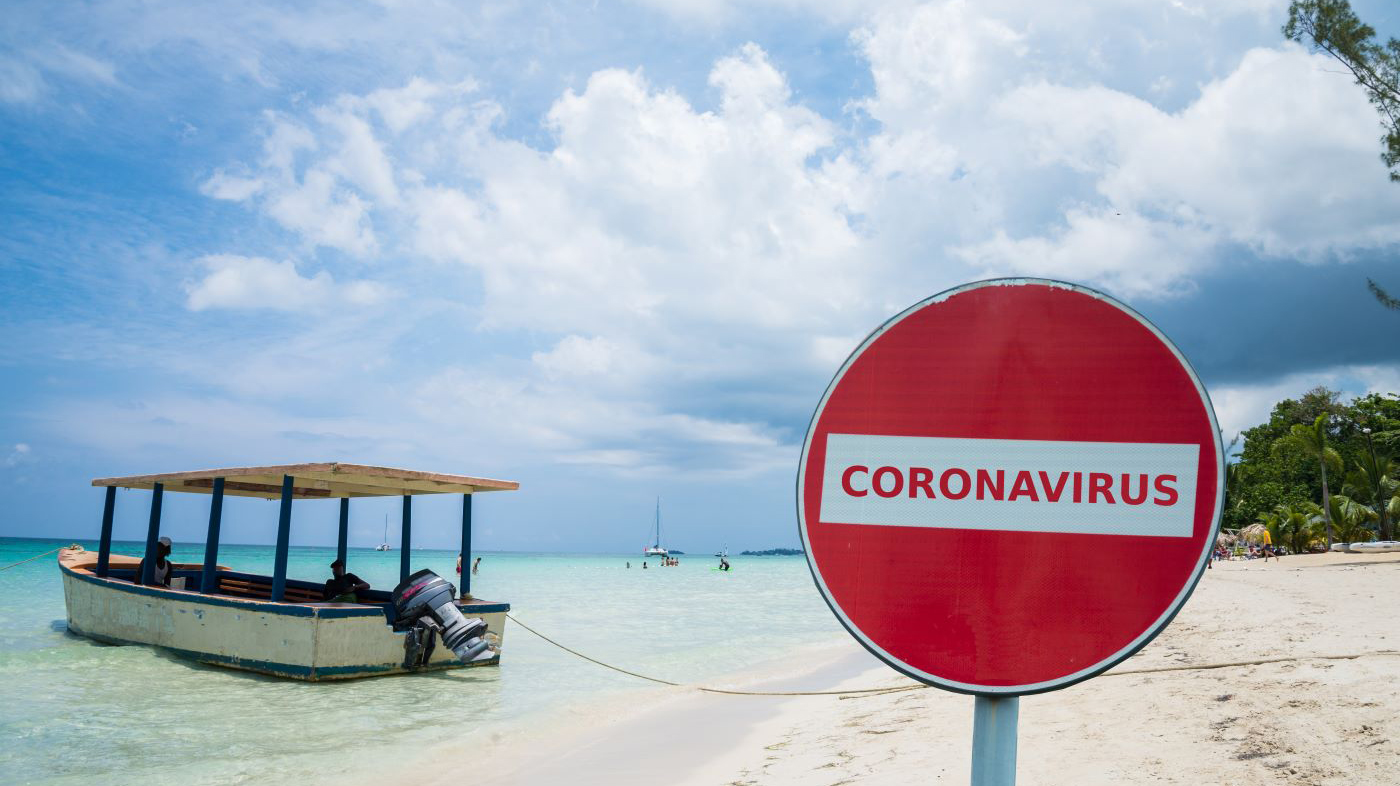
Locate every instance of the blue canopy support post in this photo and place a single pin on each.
(344, 536)
(994, 740)
(209, 579)
(148, 567)
(406, 540)
(466, 546)
(104, 542)
(284, 536)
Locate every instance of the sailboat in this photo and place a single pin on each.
(656, 550)
(384, 546)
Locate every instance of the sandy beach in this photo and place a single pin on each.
(1323, 711)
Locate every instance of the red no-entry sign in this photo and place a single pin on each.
(1010, 487)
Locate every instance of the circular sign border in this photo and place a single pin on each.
(1090, 671)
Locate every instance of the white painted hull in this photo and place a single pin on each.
(1377, 547)
(310, 641)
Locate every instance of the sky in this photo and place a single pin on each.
(616, 251)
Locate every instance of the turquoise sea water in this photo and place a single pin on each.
(72, 710)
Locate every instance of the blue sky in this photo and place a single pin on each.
(616, 252)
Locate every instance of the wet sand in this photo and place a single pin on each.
(1304, 719)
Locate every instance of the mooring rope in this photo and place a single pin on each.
(861, 693)
(696, 687)
(45, 554)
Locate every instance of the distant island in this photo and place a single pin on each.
(773, 553)
(675, 551)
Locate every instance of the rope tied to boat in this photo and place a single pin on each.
(703, 689)
(45, 554)
(860, 693)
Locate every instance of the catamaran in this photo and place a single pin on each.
(384, 542)
(276, 624)
(656, 550)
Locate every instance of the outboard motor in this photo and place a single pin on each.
(423, 607)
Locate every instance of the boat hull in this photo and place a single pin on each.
(307, 641)
(1376, 547)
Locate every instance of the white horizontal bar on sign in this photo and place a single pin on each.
(1091, 488)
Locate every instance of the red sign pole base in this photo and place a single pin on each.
(994, 740)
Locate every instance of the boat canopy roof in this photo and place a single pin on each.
(314, 481)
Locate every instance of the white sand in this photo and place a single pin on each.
(1300, 721)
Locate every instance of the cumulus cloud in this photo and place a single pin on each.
(557, 418)
(238, 282)
(688, 271)
(579, 356)
(1277, 155)
(1242, 406)
(222, 185)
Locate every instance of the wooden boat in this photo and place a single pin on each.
(270, 624)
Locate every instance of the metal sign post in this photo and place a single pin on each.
(994, 740)
(1009, 488)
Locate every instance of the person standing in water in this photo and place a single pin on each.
(476, 565)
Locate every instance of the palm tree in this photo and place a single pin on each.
(1291, 527)
(1234, 486)
(1311, 440)
(1351, 518)
(1371, 482)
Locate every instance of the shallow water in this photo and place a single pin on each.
(71, 709)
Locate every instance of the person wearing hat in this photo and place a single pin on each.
(342, 586)
(161, 575)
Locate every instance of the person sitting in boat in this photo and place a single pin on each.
(160, 577)
(342, 586)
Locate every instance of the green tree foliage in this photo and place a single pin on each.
(1381, 414)
(1280, 466)
(1291, 526)
(1331, 26)
(1351, 519)
(1268, 477)
(1310, 439)
(1372, 484)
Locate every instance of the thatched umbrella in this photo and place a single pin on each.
(1256, 533)
(1226, 539)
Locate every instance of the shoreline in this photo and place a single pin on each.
(631, 736)
(1295, 720)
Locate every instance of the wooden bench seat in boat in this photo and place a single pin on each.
(260, 591)
(254, 588)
